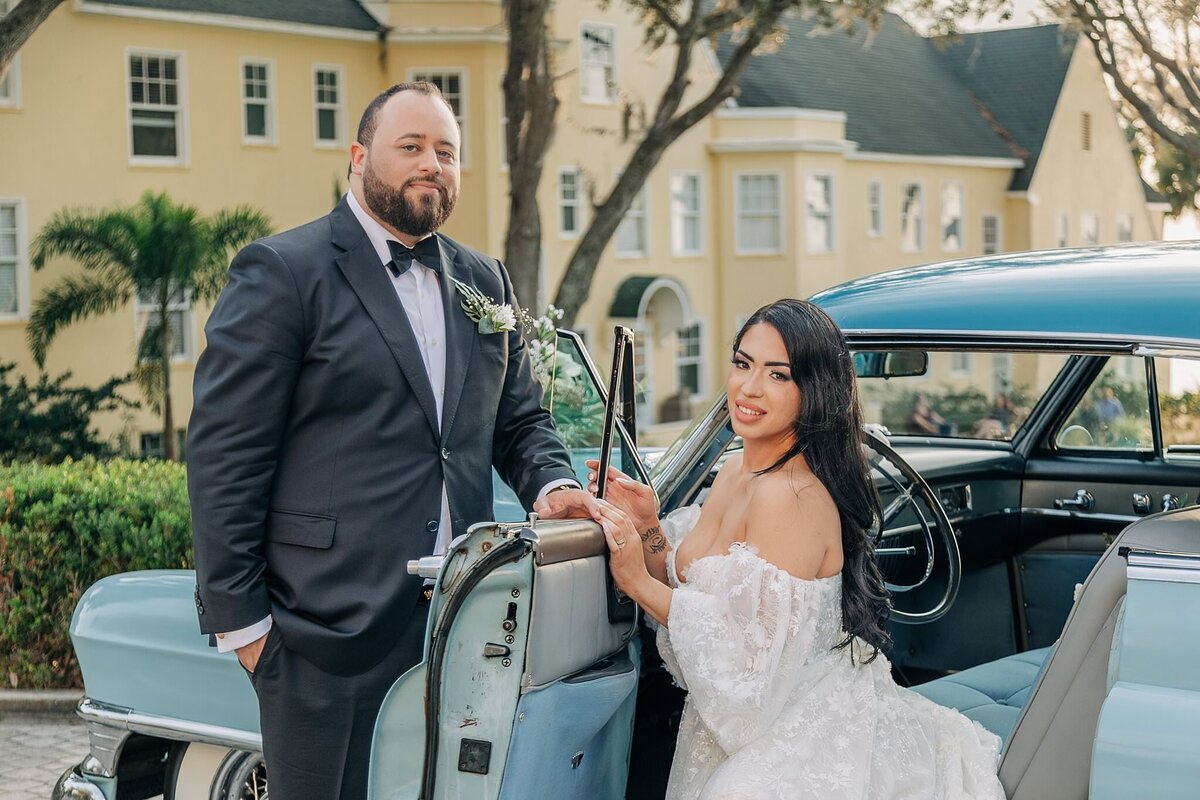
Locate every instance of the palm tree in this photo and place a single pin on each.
(156, 251)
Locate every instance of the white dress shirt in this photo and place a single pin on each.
(421, 296)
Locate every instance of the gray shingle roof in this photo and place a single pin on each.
(898, 94)
(329, 13)
(1017, 75)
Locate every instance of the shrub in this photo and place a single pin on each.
(62, 528)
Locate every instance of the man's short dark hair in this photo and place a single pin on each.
(370, 117)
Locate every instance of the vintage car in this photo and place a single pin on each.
(1035, 435)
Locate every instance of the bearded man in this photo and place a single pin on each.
(347, 416)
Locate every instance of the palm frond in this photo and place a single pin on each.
(73, 298)
(148, 376)
(101, 241)
(228, 229)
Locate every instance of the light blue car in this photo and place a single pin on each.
(1035, 430)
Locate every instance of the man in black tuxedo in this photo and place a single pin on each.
(347, 416)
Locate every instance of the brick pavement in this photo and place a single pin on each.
(35, 750)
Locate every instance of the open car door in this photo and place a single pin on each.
(531, 665)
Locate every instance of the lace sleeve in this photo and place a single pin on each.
(675, 526)
(728, 630)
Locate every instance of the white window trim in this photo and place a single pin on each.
(13, 100)
(1084, 215)
(578, 203)
(677, 220)
(644, 191)
(1062, 235)
(924, 205)
(339, 109)
(187, 306)
(738, 247)
(700, 360)
(962, 218)
(183, 159)
(1120, 218)
(23, 299)
(272, 137)
(955, 372)
(606, 100)
(999, 230)
(808, 245)
(875, 234)
(649, 415)
(464, 105)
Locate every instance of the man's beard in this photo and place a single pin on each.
(419, 218)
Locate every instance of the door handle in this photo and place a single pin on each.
(1142, 503)
(1082, 501)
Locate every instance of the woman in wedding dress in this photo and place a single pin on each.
(770, 608)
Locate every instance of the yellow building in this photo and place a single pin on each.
(835, 161)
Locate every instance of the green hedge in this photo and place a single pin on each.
(62, 528)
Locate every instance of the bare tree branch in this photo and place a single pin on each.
(19, 24)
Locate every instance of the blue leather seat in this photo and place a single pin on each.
(992, 694)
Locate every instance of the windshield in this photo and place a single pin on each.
(962, 394)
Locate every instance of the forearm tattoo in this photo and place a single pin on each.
(655, 541)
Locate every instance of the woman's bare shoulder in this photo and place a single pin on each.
(792, 521)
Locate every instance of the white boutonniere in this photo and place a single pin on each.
(488, 315)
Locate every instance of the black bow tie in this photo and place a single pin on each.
(426, 253)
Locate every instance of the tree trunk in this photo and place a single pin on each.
(667, 125)
(164, 353)
(531, 105)
(18, 25)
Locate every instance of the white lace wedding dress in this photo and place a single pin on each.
(773, 711)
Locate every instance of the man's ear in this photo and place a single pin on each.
(358, 155)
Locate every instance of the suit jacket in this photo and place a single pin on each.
(315, 455)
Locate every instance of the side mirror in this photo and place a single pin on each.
(890, 363)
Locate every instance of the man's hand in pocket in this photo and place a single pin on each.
(250, 653)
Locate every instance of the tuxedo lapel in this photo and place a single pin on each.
(460, 332)
(367, 277)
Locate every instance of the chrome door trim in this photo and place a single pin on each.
(95, 712)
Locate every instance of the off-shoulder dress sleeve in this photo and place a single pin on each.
(675, 526)
(728, 630)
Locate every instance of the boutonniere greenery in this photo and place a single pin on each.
(488, 315)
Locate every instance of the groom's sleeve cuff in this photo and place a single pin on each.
(552, 485)
(243, 636)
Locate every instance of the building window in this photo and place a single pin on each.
(991, 234)
(1064, 229)
(875, 208)
(1085, 131)
(453, 86)
(686, 220)
(912, 219)
(818, 199)
(327, 97)
(570, 201)
(179, 315)
(14, 280)
(632, 232)
(1124, 227)
(952, 216)
(258, 102)
(10, 84)
(597, 63)
(757, 213)
(1089, 228)
(152, 444)
(960, 364)
(688, 357)
(155, 107)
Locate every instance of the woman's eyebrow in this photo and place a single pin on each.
(750, 358)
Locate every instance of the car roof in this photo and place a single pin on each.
(1142, 293)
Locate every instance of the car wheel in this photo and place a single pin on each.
(204, 772)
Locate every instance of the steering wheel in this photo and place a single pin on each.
(896, 546)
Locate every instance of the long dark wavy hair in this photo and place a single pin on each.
(827, 432)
